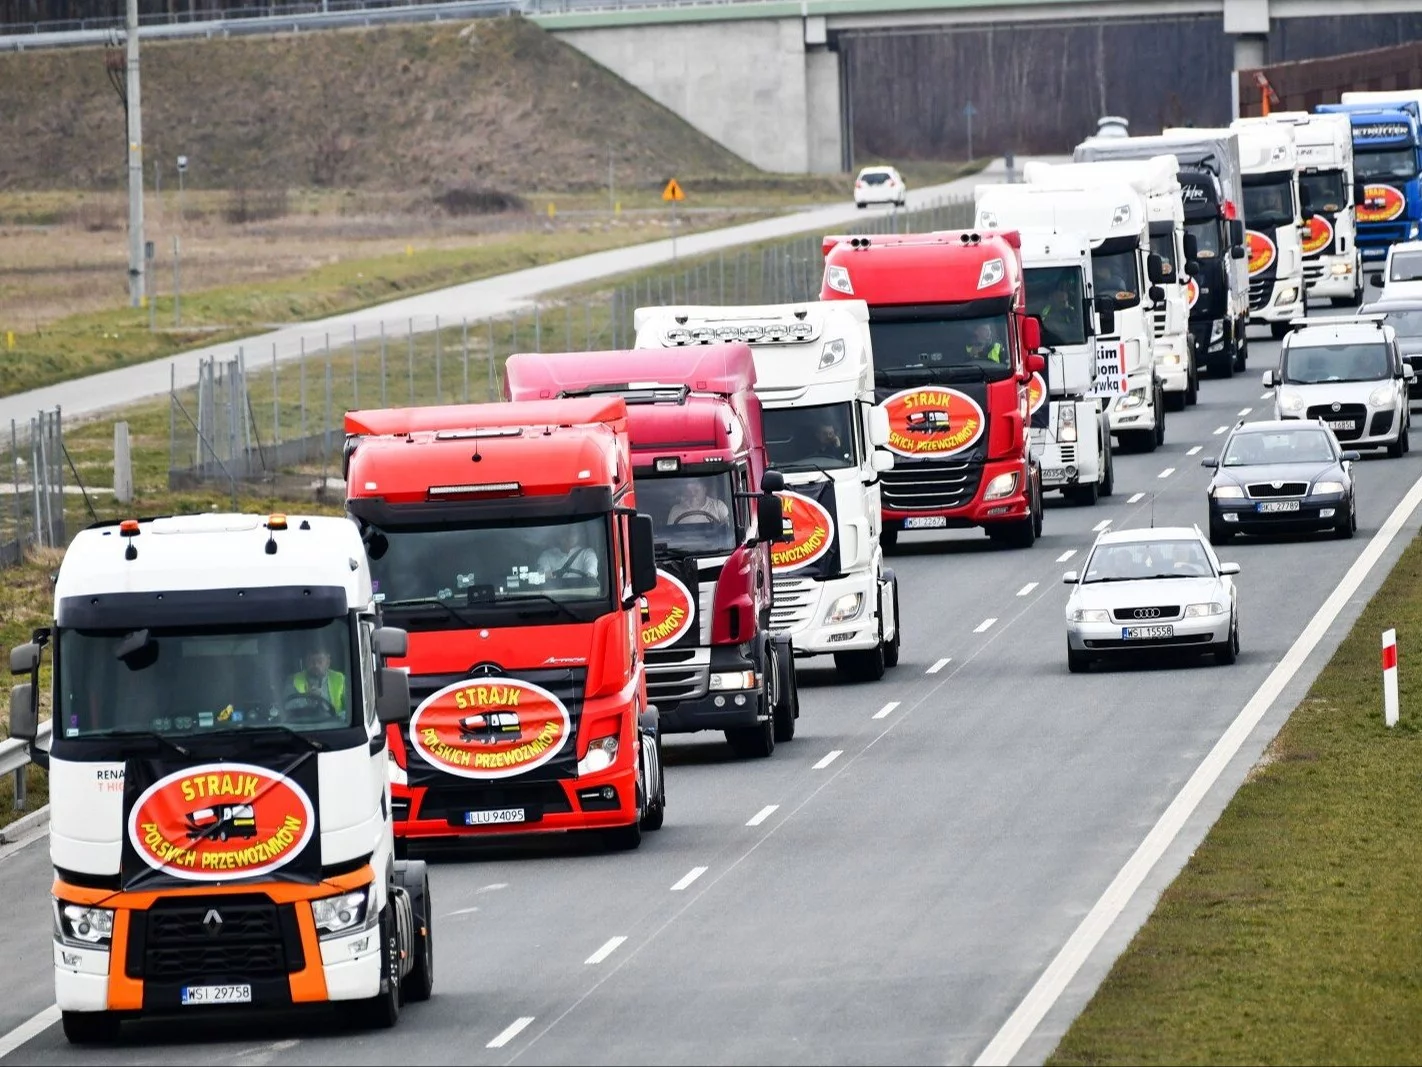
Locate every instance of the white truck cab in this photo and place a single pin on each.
(1126, 276)
(814, 369)
(1327, 191)
(1272, 218)
(209, 780)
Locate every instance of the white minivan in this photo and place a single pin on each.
(879, 185)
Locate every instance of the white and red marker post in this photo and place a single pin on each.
(1389, 666)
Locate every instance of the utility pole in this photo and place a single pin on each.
(969, 111)
(136, 244)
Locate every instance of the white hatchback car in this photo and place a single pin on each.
(879, 185)
(1401, 276)
(1151, 590)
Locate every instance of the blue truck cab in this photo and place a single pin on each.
(1387, 152)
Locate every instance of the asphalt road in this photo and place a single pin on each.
(888, 886)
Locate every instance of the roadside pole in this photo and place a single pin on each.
(1389, 666)
(673, 195)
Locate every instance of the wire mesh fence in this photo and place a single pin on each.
(32, 465)
(265, 416)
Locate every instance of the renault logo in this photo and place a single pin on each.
(1147, 613)
(212, 922)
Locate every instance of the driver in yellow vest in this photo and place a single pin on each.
(318, 678)
(984, 345)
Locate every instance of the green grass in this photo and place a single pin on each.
(1294, 934)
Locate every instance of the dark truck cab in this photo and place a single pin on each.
(1214, 230)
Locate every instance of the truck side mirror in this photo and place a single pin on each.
(1306, 213)
(391, 641)
(1268, 379)
(1236, 232)
(1155, 268)
(770, 519)
(1036, 364)
(772, 481)
(1360, 193)
(24, 659)
(1375, 280)
(1106, 312)
(881, 460)
(878, 427)
(24, 712)
(1192, 247)
(1237, 252)
(1031, 335)
(392, 700)
(1192, 270)
(644, 555)
(1156, 294)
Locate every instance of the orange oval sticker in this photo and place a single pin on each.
(1318, 234)
(220, 821)
(1192, 292)
(489, 727)
(933, 421)
(670, 612)
(1036, 392)
(1261, 251)
(1381, 203)
(811, 530)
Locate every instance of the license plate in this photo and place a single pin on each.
(1146, 633)
(926, 522)
(1342, 424)
(498, 815)
(217, 994)
(1277, 505)
(1053, 474)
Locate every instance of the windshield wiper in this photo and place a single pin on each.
(144, 735)
(665, 549)
(310, 742)
(960, 372)
(552, 600)
(416, 605)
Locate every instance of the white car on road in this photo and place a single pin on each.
(1149, 591)
(1350, 373)
(1401, 276)
(879, 185)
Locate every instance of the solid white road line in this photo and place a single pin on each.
(763, 814)
(1244, 412)
(1027, 588)
(1135, 497)
(985, 625)
(1195, 451)
(938, 666)
(1059, 973)
(1222, 429)
(828, 759)
(606, 950)
(1071, 551)
(888, 709)
(689, 877)
(1166, 473)
(510, 1032)
(1101, 525)
(30, 1028)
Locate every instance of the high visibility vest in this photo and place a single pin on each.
(335, 685)
(995, 352)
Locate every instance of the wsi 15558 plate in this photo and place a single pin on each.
(925, 522)
(217, 994)
(1146, 633)
(499, 815)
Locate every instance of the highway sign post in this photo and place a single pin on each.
(673, 195)
(968, 112)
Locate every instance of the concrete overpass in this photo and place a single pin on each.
(777, 94)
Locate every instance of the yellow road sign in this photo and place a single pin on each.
(673, 191)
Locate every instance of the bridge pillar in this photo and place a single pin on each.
(767, 89)
(1247, 21)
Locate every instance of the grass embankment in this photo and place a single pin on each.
(1294, 934)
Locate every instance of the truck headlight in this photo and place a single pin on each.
(845, 608)
(1382, 396)
(1228, 492)
(1134, 399)
(1290, 402)
(1286, 296)
(602, 754)
(1089, 615)
(1171, 357)
(1339, 269)
(398, 775)
(1325, 487)
(832, 353)
(1001, 486)
(1216, 330)
(342, 914)
(1196, 611)
(1066, 419)
(837, 277)
(724, 680)
(83, 926)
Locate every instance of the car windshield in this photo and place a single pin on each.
(1207, 237)
(1385, 164)
(1258, 447)
(1269, 203)
(1129, 561)
(1115, 275)
(1405, 323)
(1325, 190)
(207, 680)
(809, 438)
(874, 177)
(1405, 267)
(943, 350)
(1163, 245)
(1312, 364)
(1054, 295)
(556, 567)
(690, 512)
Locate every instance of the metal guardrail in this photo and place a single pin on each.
(15, 757)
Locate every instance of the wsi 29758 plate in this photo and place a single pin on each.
(217, 994)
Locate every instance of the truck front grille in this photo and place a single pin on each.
(214, 939)
(674, 675)
(794, 601)
(931, 486)
(1259, 290)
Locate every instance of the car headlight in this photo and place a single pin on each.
(83, 926)
(1195, 611)
(1290, 402)
(1089, 615)
(1002, 485)
(602, 754)
(832, 353)
(1328, 486)
(1134, 399)
(1228, 492)
(1286, 296)
(845, 608)
(735, 680)
(1382, 396)
(398, 775)
(344, 913)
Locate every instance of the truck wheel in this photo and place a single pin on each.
(891, 650)
(627, 838)
(656, 812)
(1192, 384)
(419, 983)
(786, 714)
(861, 665)
(1108, 482)
(382, 1011)
(1159, 418)
(1084, 495)
(90, 1027)
(889, 537)
(1241, 347)
(758, 741)
(1176, 401)
(1278, 330)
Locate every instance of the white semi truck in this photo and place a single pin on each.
(220, 818)
(1272, 218)
(814, 372)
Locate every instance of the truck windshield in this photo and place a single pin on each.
(1054, 295)
(1325, 190)
(1384, 164)
(690, 512)
(1336, 363)
(1115, 275)
(1207, 237)
(1163, 245)
(909, 351)
(556, 568)
(1269, 202)
(809, 438)
(206, 680)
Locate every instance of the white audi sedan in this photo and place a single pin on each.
(1150, 590)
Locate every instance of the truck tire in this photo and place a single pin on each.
(1084, 495)
(891, 649)
(861, 665)
(382, 1011)
(419, 983)
(656, 812)
(90, 1027)
(787, 702)
(1278, 330)
(1241, 346)
(758, 741)
(1108, 481)
(888, 538)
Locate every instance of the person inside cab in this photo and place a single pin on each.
(984, 347)
(317, 679)
(1060, 317)
(568, 556)
(695, 504)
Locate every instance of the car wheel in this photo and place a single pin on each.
(1398, 447)
(1219, 535)
(1077, 663)
(1349, 526)
(1228, 650)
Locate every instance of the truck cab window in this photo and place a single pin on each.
(1385, 164)
(690, 512)
(942, 351)
(1055, 296)
(1207, 237)
(1163, 245)
(1117, 275)
(820, 437)
(1269, 203)
(1325, 190)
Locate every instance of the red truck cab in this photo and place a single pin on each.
(954, 353)
(699, 461)
(505, 540)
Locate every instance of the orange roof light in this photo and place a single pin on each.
(276, 522)
(128, 528)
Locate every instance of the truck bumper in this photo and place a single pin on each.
(1212, 341)
(1008, 502)
(1134, 411)
(726, 694)
(1070, 464)
(803, 606)
(1285, 301)
(1330, 276)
